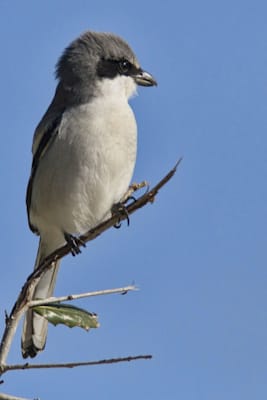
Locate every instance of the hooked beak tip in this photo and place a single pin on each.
(145, 79)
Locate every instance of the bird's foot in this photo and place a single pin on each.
(119, 210)
(75, 243)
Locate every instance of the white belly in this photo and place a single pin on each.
(87, 168)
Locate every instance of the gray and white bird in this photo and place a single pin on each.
(84, 152)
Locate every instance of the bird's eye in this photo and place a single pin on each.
(124, 66)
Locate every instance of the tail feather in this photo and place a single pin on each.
(35, 327)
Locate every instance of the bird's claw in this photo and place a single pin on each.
(118, 210)
(75, 243)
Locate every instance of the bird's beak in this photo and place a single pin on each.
(143, 78)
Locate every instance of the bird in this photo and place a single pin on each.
(83, 154)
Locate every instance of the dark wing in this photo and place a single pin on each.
(46, 139)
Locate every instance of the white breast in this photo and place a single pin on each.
(89, 165)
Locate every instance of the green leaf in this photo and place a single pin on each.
(59, 313)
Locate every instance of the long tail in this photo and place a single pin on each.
(35, 327)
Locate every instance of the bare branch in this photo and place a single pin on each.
(71, 297)
(76, 364)
(148, 197)
(25, 295)
(4, 396)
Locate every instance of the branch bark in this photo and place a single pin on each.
(14, 367)
(70, 297)
(22, 303)
(4, 396)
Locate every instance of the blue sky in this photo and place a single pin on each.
(198, 253)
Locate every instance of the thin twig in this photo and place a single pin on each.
(93, 233)
(70, 297)
(133, 188)
(27, 366)
(4, 396)
(25, 295)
